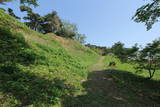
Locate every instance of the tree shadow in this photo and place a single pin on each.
(115, 88)
(29, 89)
(15, 50)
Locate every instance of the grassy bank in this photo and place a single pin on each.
(139, 90)
(35, 69)
(129, 67)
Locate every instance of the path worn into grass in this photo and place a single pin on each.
(103, 91)
(99, 65)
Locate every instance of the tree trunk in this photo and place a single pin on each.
(150, 74)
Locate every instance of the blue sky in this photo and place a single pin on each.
(103, 21)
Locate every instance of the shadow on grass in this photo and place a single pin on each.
(113, 88)
(14, 50)
(27, 88)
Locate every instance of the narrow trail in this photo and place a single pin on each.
(99, 65)
(102, 91)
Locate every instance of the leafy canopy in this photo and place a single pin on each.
(148, 14)
(23, 2)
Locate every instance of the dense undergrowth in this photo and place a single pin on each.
(35, 69)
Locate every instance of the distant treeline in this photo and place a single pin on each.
(102, 50)
(144, 59)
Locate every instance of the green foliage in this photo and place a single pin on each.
(133, 84)
(9, 67)
(65, 33)
(117, 49)
(49, 23)
(69, 26)
(67, 30)
(130, 67)
(24, 8)
(30, 89)
(33, 19)
(10, 12)
(11, 22)
(14, 47)
(119, 64)
(99, 49)
(148, 58)
(29, 2)
(3, 1)
(52, 23)
(70, 30)
(80, 38)
(35, 70)
(124, 54)
(23, 2)
(148, 14)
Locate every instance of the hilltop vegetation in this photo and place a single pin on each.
(36, 69)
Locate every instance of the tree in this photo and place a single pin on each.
(29, 2)
(22, 2)
(118, 50)
(69, 26)
(148, 58)
(131, 53)
(49, 23)
(80, 38)
(11, 13)
(68, 30)
(65, 33)
(125, 54)
(33, 19)
(52, 23)
(148, 14)
(3, 1)
(24, 8)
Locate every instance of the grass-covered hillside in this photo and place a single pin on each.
(39, 70)
(128, 67)
(134, 87)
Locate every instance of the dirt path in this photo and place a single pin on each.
(99, 65)
(102, 91)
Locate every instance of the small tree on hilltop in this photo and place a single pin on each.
(149, 58)
(67, 30)
(80, 38)
(33, 19)
(52, 23)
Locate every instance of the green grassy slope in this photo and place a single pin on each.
(83, 54)
(139, 90)
(36, 69)
(128, 67)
